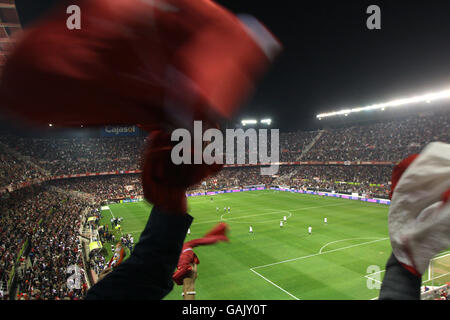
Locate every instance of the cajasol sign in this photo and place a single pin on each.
(118, 131)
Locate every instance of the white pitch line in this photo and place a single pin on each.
(111, 213)
(135, 231)
(320, 251)
(442, 275)
(368, 277)
(255, 215)
(271, 212)
(298, 209)
(442, 254)
(316, 254)
(275, 285)
(304, 257)
(121, 232)
(199, 199)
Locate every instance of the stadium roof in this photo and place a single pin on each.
(9, 24)
(428, 98)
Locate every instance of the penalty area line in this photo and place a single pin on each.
(316, 254)
(305, 257)
(290, 294)
(112, 213)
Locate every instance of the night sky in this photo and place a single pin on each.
(332, 61)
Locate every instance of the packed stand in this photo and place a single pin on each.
(292, 144)
(20, 213)
(233, 178)
(370, 180)
(72, 156)
(49, 222)
(388, 140)
(104, 187)
(15, 171)
(55, 246)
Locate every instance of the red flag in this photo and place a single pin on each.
(136, 62)
(188, 256)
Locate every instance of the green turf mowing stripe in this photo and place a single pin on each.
(228, 270)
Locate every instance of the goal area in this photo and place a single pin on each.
(439, 270)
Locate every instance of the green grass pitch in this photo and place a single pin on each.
(342, 259)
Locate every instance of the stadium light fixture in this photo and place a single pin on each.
(246, 122)
(428, 98)
(50, 125)
(266, 121)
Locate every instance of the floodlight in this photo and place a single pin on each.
(245, 122)
(428, 98)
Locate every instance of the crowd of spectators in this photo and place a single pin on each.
(80, 155)
(292, 144)
(436, 293)
(370, 180)
(48, 216)
(443, 294)
(54, 247)
(109, 236)
(14, 170)
(127, 240)
(20, 213)
(97, 258)
(102, 188)
(388, 140)
(97, 262)
(48, 221)
(233, 177)
(364, 179)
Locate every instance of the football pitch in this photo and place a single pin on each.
(343, 259)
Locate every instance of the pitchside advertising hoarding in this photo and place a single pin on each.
(337, 195)
(120, 131)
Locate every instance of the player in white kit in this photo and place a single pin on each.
(325, 220)
(250, 229)
(309, 230)
(281, 224)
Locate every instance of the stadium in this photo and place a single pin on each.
(68, 197)
(48, 182)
